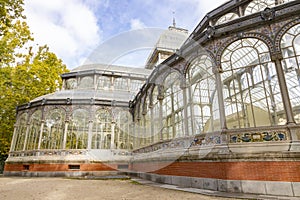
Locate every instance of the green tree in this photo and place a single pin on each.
(7, 113)
(37, 73)
(14, 32)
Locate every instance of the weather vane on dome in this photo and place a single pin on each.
(174, 22)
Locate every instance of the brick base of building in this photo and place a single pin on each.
(270, 172)
(59, 169)
(286, 171)
(265, 170)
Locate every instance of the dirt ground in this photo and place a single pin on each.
(74, 189)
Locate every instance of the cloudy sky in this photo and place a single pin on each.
(73, 29)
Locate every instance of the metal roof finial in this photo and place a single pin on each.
(174, 22)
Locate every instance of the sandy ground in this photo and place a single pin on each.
(73, 189)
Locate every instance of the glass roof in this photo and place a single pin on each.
(106, 68)
(226, 18)
(89, 94)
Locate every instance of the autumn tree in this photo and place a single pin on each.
(38, 75)
(14, 32)
(23, 75)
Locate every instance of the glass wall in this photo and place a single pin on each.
(104, 83)
(102, 130)
(86, 83)
(202, 96)
(121, 84)
(226, 18)
(157, 123)
(146, 118)
(172, 107)
(251, 90)
(290, 47)
(52, 137)
(34, 131)
(21, 127)
(78, 128)
(252, 7)
(258, 5)
(123, 123)
(71, 84)
(179, 98)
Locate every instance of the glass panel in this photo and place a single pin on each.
(104, 83)
(102, 130)
(258, 5)
(78, 130)
(290, 45)
(21, 127)
(34, 130)
(251, 91)
(147, 121)
(138, 125)
(135, 85)
(86, 83)
(226, 18)
(156, 116)
(52, 137)
(202, 94)
(123, 121)
(121, 84)
(172, 104)
(71, 84)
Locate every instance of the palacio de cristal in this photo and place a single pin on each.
(216, 109)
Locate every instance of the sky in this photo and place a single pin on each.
(74, 29)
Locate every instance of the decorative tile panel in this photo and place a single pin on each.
(265, 136)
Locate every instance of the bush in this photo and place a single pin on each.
(2, 162)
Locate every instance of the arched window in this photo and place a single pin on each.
(102, 130)
(146, 117)
(21, 127)
(78, 128)
(135, 85)
(138, 131)
(123, 121)
(246, 80)
(86, 83)
(290, 47)
(53, 132)
(259, 5)
(104, 83)
(226, 18)
(121, 84)
(156, 115)
(251, 92)
(203, 105)
(172, 105)
(34, 130)
(71, 84)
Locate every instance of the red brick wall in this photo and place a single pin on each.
(261, 170)
(59, 167)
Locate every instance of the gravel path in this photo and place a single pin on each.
(74, 189)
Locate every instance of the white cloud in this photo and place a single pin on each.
(136, 24)
(188, 13)
(71, 27)
(209, 5)
(68, 27)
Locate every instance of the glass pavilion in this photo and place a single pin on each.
(225, 106)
